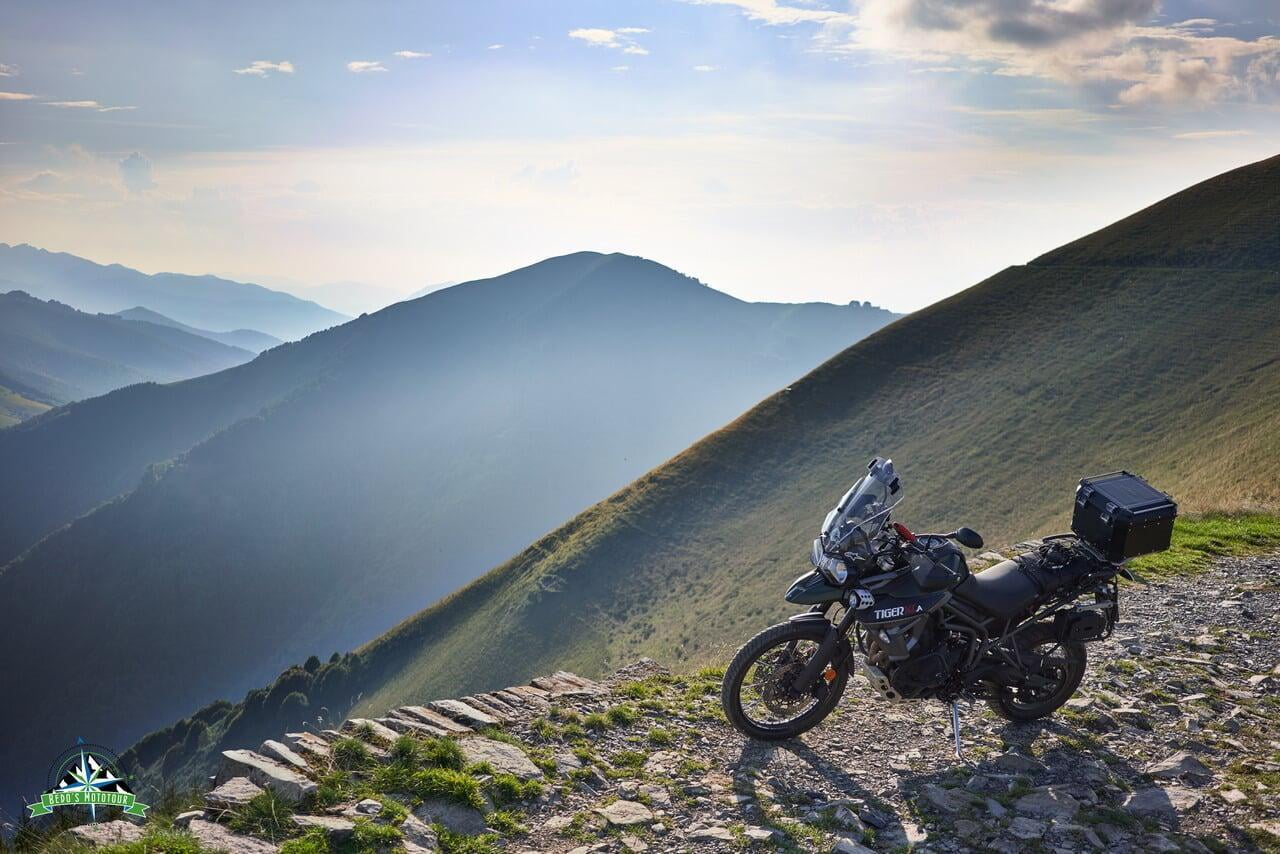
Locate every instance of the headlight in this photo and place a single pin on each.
(832, 567)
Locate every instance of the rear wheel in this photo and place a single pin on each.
(758, 695)
(1059, 668)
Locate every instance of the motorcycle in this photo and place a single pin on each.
(924, 627)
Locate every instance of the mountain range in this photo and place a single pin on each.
(53, 354)
(227, 525)
(246, 339)
(204, 302)
(1150, 345)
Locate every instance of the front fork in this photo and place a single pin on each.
(831, 640)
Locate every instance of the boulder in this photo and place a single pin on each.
(380, 732)
(308, 742)
(1023, 827)
(455, 817)
(286, 782)
(431, 717)
(1155, 802)
(948, 801)
(214, 836)
(502, 757)
(625, 813)
(232, 794)
(1049, 802)
(107, 832)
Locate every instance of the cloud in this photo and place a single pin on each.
(772, 12)
(362, 66)
(494, 47)
(1212, 134)
(411, 54)
(135, 171)
(15, 96)
(620, 68)
(704, 68)
(85, 105)
(43, 182)
(7, 70)
(262, 67)
(622, 39)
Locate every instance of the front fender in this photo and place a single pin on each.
(812, 588)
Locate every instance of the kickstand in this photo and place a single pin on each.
(955, 733)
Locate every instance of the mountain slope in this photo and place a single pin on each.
(205, 302)
(246, 339)
(993, 402)
(339, 483)
(61, 354)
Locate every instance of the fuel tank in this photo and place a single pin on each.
(812, 588)
(890, 610)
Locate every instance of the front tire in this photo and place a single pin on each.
(763, 667)
(1064, 663)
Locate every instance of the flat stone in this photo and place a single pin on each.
(625, 813)
(432, 718)
(657, 795)
(338, 829)
(182, 819)
(215, 836)
(634, 843)
(557, 823)
(268, 773)
(1233, 796)
(107, 832)
(232, 794)
(566, 762)
(759, 834)
(502, 757)
(710, 834)
(1157, 802)
(462, 713)
(455, 817)
(367, 808)
(844, 845)
(417, 836)
(1133, 716)
(1179, 764)
(1023, 827)
(308, 742)
(276, 750)
(1016, 763)
(383, 733)
(949, 800)
(1049, 802)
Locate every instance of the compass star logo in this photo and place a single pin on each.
(87, 775)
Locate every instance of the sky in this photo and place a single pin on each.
(895, 151)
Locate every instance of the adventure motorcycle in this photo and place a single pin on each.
(925, 627)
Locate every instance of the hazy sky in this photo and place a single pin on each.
(891, 150)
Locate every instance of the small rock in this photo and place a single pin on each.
(845, 845)
(182, 819)
(1180, 764)
(657, 795)
(566, 762)
(1157, 802)
(948, 800)
(218, 838)
(634, 843)
(455, 817)
(107, 832)
(232, 794)
(1023, 827)
(1018, 764)
(967, 828)
(368, 807)
(1049, 802)
(502, 757)
(418, 837)
(557, 823)
(710, 834)
(625, 813)
(1233, 796)
(759, 834)
(335, 827)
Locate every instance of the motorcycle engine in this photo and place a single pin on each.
(926, 665)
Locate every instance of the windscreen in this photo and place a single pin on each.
(863, 509)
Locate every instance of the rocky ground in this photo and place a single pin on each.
(1172, 743)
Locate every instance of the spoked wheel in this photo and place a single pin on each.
(1059, 668)
(759, 696)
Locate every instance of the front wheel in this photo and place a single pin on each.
(758, 695)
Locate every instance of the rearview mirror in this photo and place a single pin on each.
(968, 538)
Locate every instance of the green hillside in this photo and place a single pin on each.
(229, 525)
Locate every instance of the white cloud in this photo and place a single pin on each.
(620, 68)
(411, 54)
(1212, 134)
(772, 12)
(85, 105)
(622, 39)
(262, 67)
(362, 66)
(495, 47)
(7, 70)
(135, 171)
(15, 96)
(704, 68)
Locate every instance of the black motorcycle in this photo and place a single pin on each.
(926, 627)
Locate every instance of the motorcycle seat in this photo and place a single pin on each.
(1002, 590)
